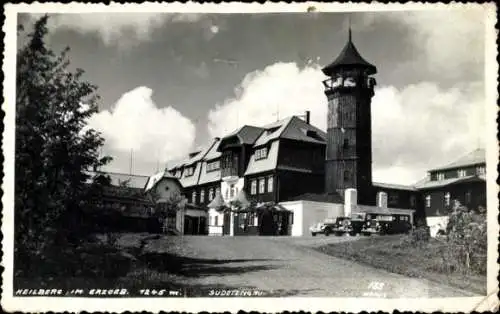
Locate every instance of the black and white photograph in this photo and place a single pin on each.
(225, 157)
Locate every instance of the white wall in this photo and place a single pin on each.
(307, 213)
(166, 188)
(437, 223)
(215, 229)
(225, 186)
(296, 208)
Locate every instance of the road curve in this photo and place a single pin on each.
(290, 266)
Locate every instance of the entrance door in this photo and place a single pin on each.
(227, 224)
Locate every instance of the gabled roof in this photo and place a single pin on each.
(292, 128)
(247, 134)
(428, 184)
(157, 177)
(477, 156)
(212, 176)
(349, 57)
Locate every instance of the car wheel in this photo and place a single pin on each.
(313, 234)
(327, 232)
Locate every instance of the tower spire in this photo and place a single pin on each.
(350, 32)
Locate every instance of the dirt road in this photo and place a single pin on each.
(290, 266)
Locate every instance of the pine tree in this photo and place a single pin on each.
(55, 150)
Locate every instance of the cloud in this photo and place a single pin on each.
(278, 91)
(120, 29)
(136, 124)
(448, 41)
(423, 126)
(415, 128)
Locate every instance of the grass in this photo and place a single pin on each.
(135, 261)
(391, 254)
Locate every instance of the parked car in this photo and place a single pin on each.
(342, 225)
(371, 226)
(387, 224)
(317, 228)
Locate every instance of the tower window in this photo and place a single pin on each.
(345, 145)
(347, 175)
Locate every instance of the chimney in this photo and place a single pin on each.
(308, 116)
(350, 201)
(382, 199)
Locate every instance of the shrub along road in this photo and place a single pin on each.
(281, 266)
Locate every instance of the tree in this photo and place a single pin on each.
(55, 149)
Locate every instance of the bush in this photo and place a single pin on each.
(418, 236)
(467, 240)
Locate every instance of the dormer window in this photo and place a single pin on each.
(213, 165)
(261, 153)
(481, 170)
(189, 171)
(272, 130)
(462, 173)
(440, 176)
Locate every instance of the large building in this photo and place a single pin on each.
(291, 160)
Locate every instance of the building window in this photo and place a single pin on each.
(210, 194)
(447, 199)
(213, 166)
(428, 201)
(262, 185)
(193, 197)
(481, 170)
(217, 190)
(347, 175)
(462, 173)
(261, 153)
(189, 171)
(216, 220)
(253, 187)
(231, 191)
(270, 184)
(202, 196)
(413, 201)
(467, 197)
(440, 176)
(393, 198)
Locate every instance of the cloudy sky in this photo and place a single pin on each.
(171, 82)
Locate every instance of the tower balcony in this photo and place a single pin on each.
(345, 84)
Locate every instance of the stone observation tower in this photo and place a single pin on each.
(349, 90)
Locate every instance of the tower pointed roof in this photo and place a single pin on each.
(349, 57)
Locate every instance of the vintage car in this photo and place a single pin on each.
(324, 227)
(341, 226)
(338, 226)
(371, 226)
(386, 224)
